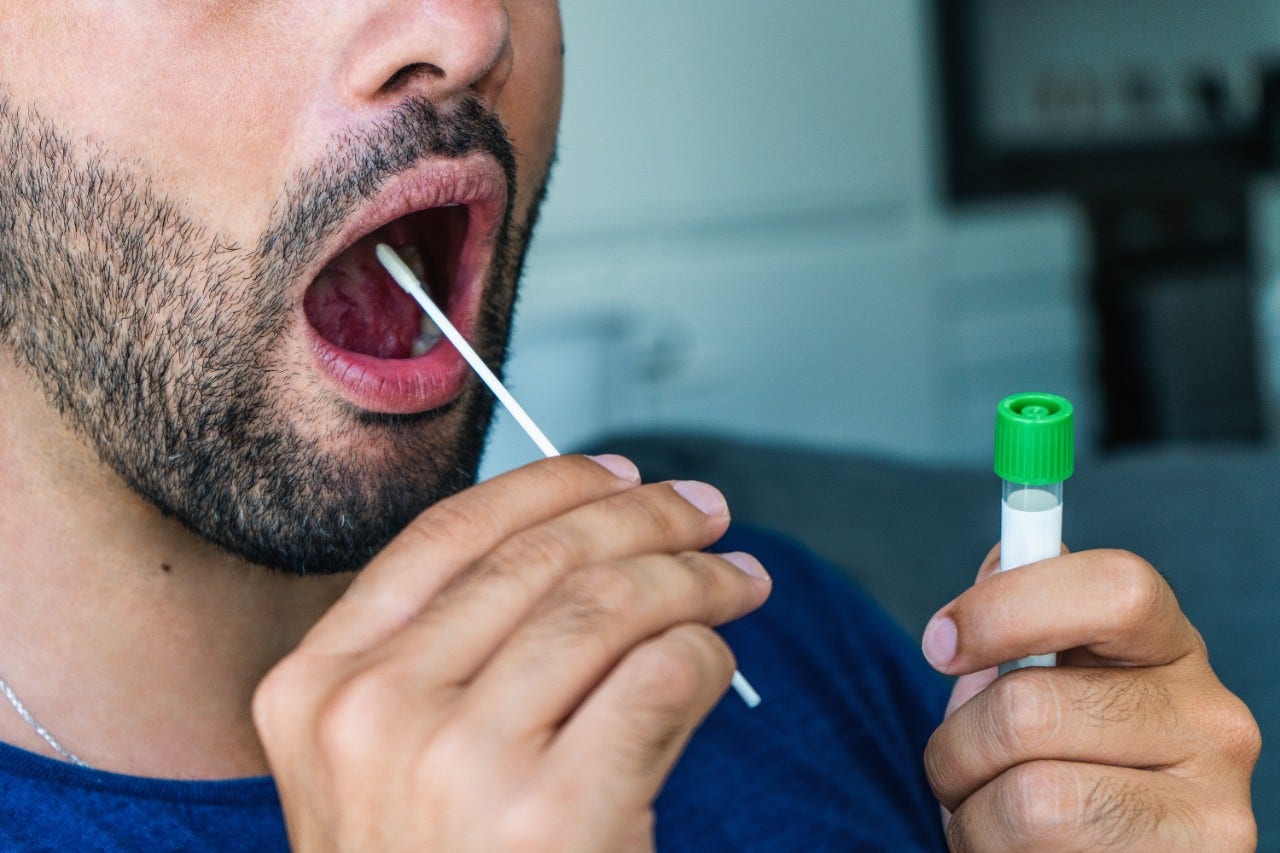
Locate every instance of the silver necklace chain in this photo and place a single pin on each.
(40, 730)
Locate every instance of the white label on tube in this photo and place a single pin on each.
(1031, 529)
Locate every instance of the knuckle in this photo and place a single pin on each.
(659, 508)
(423, 532)
(279, 695)
(1138, 592)
(940, 769)
(701, 569)
(458, 520)
(672, 670)
(270, 694)
(496, 571)
(649, 735)
(546, 545)
(716, 658)
(588, 605)
(601, 592)
(1237, 732)
(450, 749)
(1199, 648)
(1027, 713)
(533, 825)
(1238, 828)
(350, 712)
(680, 669)
(1040, 799)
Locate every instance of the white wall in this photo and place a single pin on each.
(743, 237)
(690, 111)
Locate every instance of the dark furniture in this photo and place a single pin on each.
(1174, 287)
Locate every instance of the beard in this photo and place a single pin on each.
(160, 342)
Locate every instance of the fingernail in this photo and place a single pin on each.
(939, 644)
(706, 498)
(619, 466)
(747, 563)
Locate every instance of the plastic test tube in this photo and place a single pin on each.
(1034, 455)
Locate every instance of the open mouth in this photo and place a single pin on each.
(355, 306)
(370, 342)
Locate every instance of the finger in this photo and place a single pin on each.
(991, 563)
(469, 619)
(1060, 805)
(572, 640)
(1110, 602)
(1118, 716)
(454, 533)
(616, 751)
(968, 686)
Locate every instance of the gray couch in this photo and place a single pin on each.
(1206, 517)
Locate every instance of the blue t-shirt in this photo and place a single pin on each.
(830, 761)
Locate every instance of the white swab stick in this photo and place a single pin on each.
(408, 282)
(745, 690)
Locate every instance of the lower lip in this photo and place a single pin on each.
(392, 386)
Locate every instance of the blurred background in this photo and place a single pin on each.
(855, 225)
(802, 249)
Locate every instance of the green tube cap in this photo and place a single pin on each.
(1035, 439)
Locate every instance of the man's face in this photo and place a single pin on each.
(190, 194)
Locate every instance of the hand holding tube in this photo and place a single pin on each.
(1130, 743)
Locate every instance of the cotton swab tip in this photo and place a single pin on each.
(745, 690)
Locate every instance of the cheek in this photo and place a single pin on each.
(530, 103)
(185, 96)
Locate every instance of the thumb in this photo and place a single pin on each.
(968, 686)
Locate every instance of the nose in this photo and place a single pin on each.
(439, 49)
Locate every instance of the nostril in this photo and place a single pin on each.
(409, 74)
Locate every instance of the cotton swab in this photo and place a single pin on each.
(745, 690)
(408, 282)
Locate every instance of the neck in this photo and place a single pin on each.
(135, 643)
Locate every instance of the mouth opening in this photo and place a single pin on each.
(356, 306)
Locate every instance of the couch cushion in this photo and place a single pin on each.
(913, 536)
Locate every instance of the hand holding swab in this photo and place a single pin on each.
(404, 277)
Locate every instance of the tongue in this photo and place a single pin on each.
(354, 304)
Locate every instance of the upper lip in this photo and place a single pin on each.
(476, 181)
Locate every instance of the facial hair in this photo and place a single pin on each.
(159, 342)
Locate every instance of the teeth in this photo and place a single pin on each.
(427, 337)
(413, 259)
(428, 333)
(429, 330)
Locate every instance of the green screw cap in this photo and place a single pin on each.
(1035, 439)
